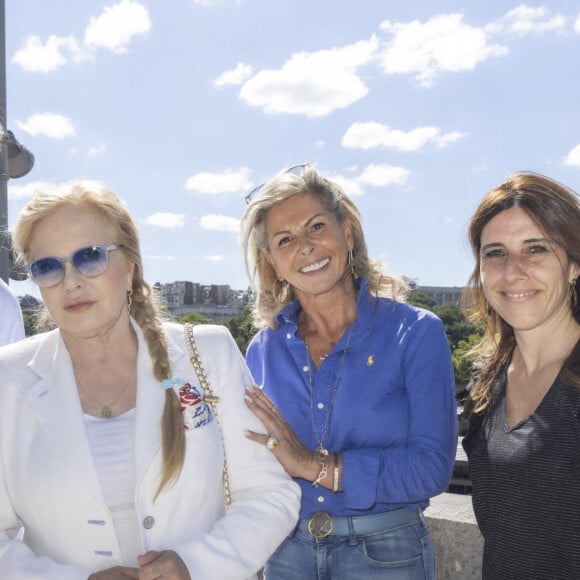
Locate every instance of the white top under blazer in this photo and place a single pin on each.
(49, 481)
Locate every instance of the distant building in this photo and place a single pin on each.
(218, 302)
(442, 294)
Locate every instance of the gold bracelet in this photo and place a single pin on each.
(321, 457)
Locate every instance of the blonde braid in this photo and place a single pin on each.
(172, 432)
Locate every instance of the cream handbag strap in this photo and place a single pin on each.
(210, 398)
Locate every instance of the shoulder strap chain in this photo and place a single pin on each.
(209, 397)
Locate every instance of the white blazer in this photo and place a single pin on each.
(48, 479)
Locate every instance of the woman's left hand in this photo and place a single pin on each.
(167, 565)
(295, 458)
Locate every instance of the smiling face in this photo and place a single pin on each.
(82, 306)
(307, 245)
(525, 276)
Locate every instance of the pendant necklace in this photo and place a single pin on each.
(106, 410)
(320, 449)
(322, 355)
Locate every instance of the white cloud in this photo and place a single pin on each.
(313, 84)
(577, 25)
(349, 186)
(525, 20)
(117, 25)
(235, 76)
(166, 220)
(221, 223)
(382, 175)
(97, 151)
(44, 58)
(28, 189)
(237, 181)
(215, 258)
(449, 138)
(573, 158)
(49, 125)
(442, 44)
(372, 135)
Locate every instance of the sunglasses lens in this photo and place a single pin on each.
(294, 170)
(91, 261)
(253, 193)
(298, 169)
(47, 272)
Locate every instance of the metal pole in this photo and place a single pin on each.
(4, 255)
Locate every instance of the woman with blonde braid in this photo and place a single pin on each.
(109, 454)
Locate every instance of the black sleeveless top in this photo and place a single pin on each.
(526, 486)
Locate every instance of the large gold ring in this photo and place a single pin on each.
(320, 525)
(272, 443)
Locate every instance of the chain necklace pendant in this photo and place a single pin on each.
(106, 413)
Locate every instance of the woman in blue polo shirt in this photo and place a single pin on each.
(357, 387)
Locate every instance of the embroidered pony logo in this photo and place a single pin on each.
(195, 411)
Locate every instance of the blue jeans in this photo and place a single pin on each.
(401, 553)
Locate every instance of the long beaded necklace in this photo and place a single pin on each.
(320, 449)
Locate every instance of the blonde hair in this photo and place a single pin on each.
(273, 296)
(99, 198)
(556, 210)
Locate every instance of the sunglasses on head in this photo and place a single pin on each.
(294, 170)
(90, 261)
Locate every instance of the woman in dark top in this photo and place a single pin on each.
(524, 439)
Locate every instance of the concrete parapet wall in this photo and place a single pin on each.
(457, 543)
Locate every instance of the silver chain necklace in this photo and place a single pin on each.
(320, 447)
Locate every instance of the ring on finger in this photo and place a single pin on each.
(272, 443)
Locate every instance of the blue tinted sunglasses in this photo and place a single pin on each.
(90, 261)
(294, 170)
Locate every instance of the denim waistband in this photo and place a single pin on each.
(361, 525)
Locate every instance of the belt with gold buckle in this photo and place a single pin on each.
(320, 525)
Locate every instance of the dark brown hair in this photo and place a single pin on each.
(556, 210)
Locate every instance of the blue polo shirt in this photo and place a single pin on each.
(393, 417)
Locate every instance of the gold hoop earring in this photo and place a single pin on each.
(129, 300)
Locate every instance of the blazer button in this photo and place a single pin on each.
(148, 522)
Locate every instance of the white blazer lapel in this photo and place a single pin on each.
(57, 405)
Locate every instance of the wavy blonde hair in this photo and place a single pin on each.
(273, 296)
(99, 198)
(556, 210)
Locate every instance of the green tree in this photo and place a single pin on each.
(457, 327)
(421, 300)
(242, 328)
(463, 360)
(195, 318)
(29, 319)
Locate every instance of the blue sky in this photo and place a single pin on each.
(182, 106)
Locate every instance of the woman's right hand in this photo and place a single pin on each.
(116, 573)
(296, 459)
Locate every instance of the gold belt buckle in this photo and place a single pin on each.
(320, 525)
